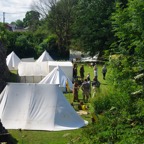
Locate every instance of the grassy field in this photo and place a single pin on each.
(44, 137)
(59, 137)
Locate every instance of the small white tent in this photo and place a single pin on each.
(37, 107)
(57, 76)
(44, 57)
(12, 61)
(66, 66)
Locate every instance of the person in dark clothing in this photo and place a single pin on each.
(95, 85)
(85, 87)
(75, 91)
(104, 71)
(75, 71)
(82, 72)
(88, 77)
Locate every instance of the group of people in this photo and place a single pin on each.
(86, 83)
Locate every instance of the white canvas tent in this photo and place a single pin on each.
(66, 66)
(44, 57)
(32, 72)
(57, 76)
(37, 107)
(12, 61)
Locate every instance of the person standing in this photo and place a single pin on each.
(89, 81)
(85, 87)
(82, 72)
(88, 77)
(95, 71)
(75, 91)
(95, 86)
(104, 71)
(75, 71)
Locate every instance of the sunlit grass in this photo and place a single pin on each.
(61, 137)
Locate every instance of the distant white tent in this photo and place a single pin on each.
(37, 107)
(66, 66)
(44, 57)
(12, 61)
(57, 76)
(75, 55)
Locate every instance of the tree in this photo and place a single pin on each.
(24, 47)
(19, 23)
(31, 20)
(59, 16)
(60, 19)
(43, 6)
(123, 108)
(92, 25)
(128, 27)
(4, 72)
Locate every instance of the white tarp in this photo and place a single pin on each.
(37, 107)
(66, 66)
(44, 57)
(57, 76)
(12, 61)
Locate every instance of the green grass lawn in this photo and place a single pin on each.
(60, 137)
(45, 137)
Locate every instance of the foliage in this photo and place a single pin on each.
(60, 19)
(120, 113)
(19, 23)
(4, 72)
(128, 27)
(23, 47)
(92, 26)
(3, 33)
(31, 20)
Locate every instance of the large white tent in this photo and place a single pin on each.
(34, 72)
(12, 61)
(44, 57)
(37, 107)
(57, 76)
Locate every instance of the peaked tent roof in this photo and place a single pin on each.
(66, 66)
(57, 76)
(44, 57)
(37, 107)
(12, 61)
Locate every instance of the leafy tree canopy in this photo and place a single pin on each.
(92, 25)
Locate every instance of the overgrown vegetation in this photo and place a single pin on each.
(121, 113)
(114, 28)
